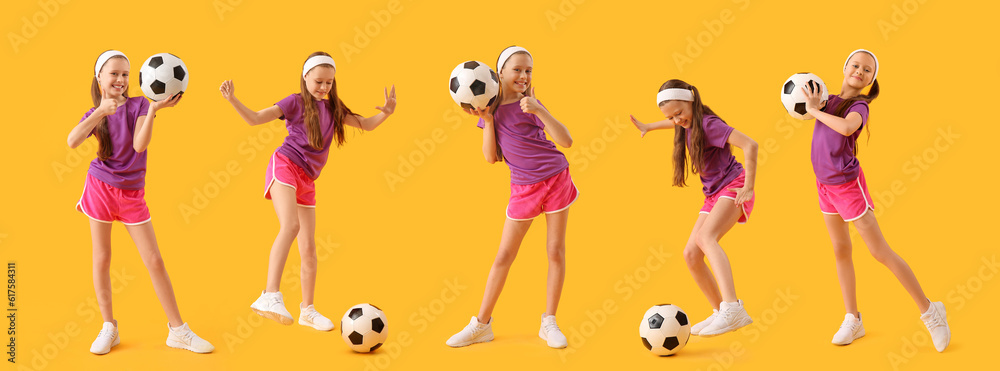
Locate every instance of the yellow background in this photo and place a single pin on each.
(402, 246)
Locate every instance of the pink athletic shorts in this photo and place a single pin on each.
(551, 195)
(105, 203)
(727, 194)
(280, 169)
(850, 200)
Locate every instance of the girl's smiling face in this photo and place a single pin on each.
(678, 112)
(860, 70)
(113, 77)
(319, 81)
(516, 73)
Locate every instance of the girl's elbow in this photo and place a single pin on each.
(568, 143)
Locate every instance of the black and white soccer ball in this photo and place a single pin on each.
(364, 328)
(794, 100)
(163, 75)
(473, 85)
(665, 329)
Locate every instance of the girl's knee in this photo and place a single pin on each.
(557, 255)
(505, 257)
(706, 240)
(289, 227)
(693, 255)
(842, 250)
(882, 255)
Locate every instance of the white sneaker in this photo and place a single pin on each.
(936, 321)
(731, 317)
(107, 338)
(550, 332)
(181, 337)
(474, 332)
(308, 316)
(852, 329)
(701, 325)
(270, 305)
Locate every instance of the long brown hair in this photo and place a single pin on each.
(699, 110)
(841, 110)
(496, 104)
(101, 131)
(310, 114)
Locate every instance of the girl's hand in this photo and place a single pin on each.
(227, 90)
(529, 104)
(643, 128)
(813, 96)
(108, 107)
(390, 101)
(166, 103)
(742, 194)
(483, 113)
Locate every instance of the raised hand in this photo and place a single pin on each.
(390, 101)
(643, 128)
(227, 89)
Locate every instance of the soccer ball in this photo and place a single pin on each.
(473, 85)
(665, 329)
(162, 76)
(364, 328)
(794, 100)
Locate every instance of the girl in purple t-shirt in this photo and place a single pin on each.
(514, 129)
(114, 190)
(315, 118)
(728, 189)
(844, 196)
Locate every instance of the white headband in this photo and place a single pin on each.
(505, 55)
(316, 61)
(869, 53)
(104, 59)
(674, 94)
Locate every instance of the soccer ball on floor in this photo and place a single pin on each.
(473, 85)
(163, 75)
(665, 329)
(794, 99)
(364, 328)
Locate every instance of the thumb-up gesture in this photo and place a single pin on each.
(108, 105)
(529, 104)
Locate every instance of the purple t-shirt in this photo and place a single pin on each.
(833, 157)
(296, 146)
(125, 169)
(721, 166)
(530, 156)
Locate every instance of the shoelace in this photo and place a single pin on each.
(551, 326)
(729, 314)
(187, 337)
(476, 330)
(850, 325)
(275, 300)
(106, 334)
(934, 322)
(313, 315)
